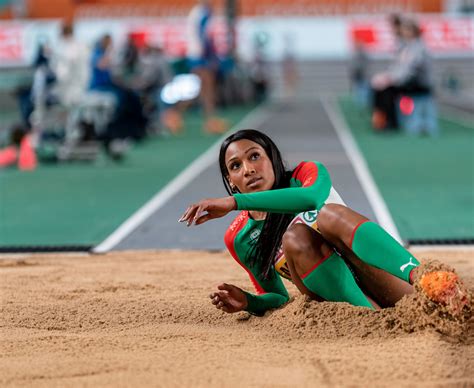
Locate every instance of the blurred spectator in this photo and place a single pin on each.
(153, 72)
(153, 69)
(34, 99)
(395, 21)
(128, 121)
(44, 78)
(290, 71)
(70, 62)
(259, 69)
(130, 56)
(225, 85)
(384, 114)
(411, 73)
(202, 60)
(101, 62)
(359, 69)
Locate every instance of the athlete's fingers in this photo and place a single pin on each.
(201, 209)
(195, 215)
(213, 295)
(191, 214)
(204, 218)
(226, 309)
(221, 304)
(225, 286)
(185, 216)
(218, 299)
(222, 295)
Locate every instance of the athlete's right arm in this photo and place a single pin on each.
(312, 186)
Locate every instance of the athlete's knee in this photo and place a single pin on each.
(297, 239)
(300, 239)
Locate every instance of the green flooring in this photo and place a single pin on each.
(81, 204)
(427, 183)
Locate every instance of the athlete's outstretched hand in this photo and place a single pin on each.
(229, 298)
(208, 209)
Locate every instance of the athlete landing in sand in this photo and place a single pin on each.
(294, 224)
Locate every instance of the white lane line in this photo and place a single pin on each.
(361, 169)
(254, 119)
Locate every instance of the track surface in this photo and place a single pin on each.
(302, 131)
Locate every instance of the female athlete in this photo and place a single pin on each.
(294, 224)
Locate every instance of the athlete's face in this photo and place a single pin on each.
(250, 169)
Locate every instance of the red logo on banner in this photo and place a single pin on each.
(375, 35)
(11, 48)
(171, 36)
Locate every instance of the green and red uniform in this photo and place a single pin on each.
(310, 189)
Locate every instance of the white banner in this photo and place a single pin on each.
(19, 41)
(306, 38)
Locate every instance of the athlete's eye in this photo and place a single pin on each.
(234, 166)
(255, 156)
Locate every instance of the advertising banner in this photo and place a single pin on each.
(442, 35)
(305, 38)
(19, 41)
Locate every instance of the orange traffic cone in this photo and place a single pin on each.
(8, 156)
(27, 159)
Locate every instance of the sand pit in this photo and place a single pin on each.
(144, 319)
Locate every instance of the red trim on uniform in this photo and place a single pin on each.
(229, 238)
(353, 232)
(297, 170)
(410, 277)
(317, 264)
(306, 173)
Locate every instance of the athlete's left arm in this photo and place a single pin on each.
(312, 185)
(272, 294)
